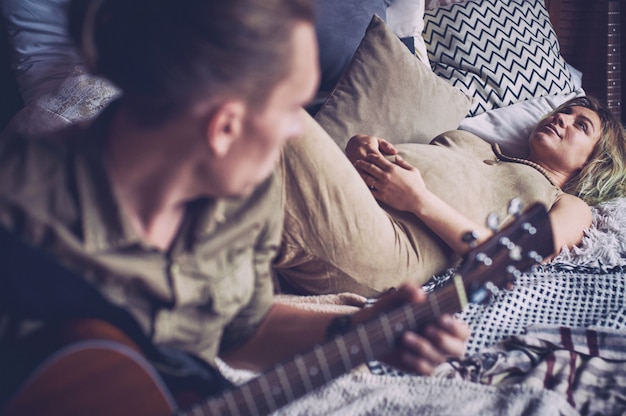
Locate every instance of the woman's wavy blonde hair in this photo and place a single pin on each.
(604, 176)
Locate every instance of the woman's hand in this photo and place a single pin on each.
(396, 183)
(420, 352)
(360, 145)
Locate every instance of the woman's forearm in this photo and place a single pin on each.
(448, 223)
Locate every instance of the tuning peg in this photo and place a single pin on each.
(484, 293)
(484, 259)
(493, 222)
(513, 271)
(470, 238)
(532, 254)
(491, 288)
(529, 228)
(506, 242)
(515, 207)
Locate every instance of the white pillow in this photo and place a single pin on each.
(499, 52)
(433, 4)
(405, 18)
(42, 54)
(510, 126)
(80, 96)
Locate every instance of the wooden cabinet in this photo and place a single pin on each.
(591, 40)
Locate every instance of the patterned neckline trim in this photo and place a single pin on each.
(503, 157)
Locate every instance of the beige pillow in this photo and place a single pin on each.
(387, 92)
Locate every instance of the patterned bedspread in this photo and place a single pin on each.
(553, 345)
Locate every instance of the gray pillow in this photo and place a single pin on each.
(340, 26)
(387, 92)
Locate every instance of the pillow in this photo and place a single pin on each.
(511, 126)
(497, 51)
(405, 18)
(387, 92)
(42, 53)
(340, 26)
(433, 4)
(80, 96)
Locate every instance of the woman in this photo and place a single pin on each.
(434, 194)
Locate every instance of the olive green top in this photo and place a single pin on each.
(475, 178)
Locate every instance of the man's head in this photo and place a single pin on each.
(245, 138)
(243, 68)
(167, 54)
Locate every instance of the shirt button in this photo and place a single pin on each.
(174, 268)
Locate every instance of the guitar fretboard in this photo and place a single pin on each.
(289, 381)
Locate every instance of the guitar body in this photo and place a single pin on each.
(93, 376)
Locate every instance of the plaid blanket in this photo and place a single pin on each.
(557, 295)
(587, 367)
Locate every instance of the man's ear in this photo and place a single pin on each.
(225, 126)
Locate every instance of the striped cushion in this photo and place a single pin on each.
(497, 51)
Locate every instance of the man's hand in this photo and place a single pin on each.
(420, 352)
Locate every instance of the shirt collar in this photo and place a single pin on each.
(104, 225)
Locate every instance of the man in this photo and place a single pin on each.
(167, 203)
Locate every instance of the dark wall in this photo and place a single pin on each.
(10, 99)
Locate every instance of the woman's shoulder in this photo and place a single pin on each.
(463, 141)
(458, 136)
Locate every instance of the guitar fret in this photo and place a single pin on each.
(460, 288)
(434, 304)
(249, 399)
(369, 355)
(284, 381)
(387, 330)
(304, 375)
(197, 410)
(267, 392)
(214, 405)
(408, 313)
(344, 354)
(319, 354)
(233, 408)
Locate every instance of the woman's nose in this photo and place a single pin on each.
(561, 119)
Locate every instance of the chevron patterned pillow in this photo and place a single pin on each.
(497, 51)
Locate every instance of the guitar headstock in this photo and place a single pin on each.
(494, 264)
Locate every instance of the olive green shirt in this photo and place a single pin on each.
(208, 291)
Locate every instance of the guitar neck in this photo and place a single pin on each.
(289, 381)
(614, 87)
(485, 269)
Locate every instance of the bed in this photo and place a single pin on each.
(553, 344)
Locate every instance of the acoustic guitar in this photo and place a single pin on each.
(101, 372)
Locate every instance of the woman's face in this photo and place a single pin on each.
(565, 140)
